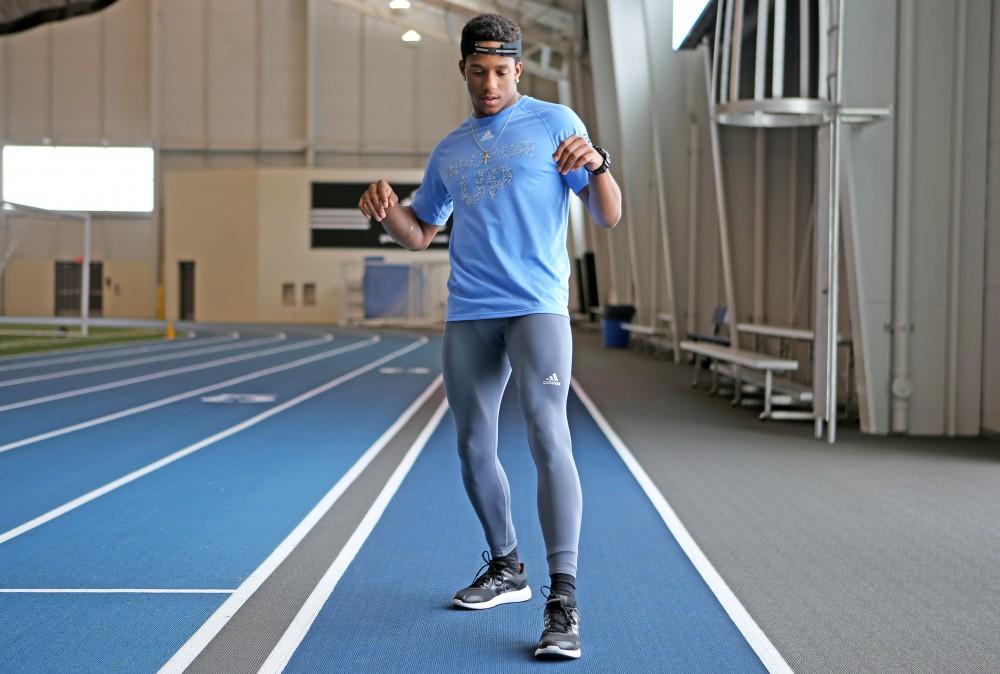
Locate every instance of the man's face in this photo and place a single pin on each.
(491, 79)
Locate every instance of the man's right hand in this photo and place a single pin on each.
(377, 199)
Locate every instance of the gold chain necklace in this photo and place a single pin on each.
(486, 153)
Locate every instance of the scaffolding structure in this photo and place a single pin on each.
(795, 82)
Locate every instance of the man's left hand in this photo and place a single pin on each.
(575, 152)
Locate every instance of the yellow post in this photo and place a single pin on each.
(171, 334)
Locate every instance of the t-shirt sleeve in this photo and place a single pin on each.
(431, 202)
(567, 123)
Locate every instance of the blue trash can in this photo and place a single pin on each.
(615, 337)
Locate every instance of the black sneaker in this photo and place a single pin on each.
(561, 633)
(497, 584)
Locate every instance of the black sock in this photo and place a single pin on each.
(511, 559)
(564, 584)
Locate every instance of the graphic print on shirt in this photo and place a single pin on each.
(490, 179)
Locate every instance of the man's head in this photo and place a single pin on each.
(491, 77)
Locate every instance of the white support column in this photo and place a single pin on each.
(833, 296)
(955, 226)
(85, 279)
(902, 387)
(793, 221)
(720, 199)
(661, 205)
(693, 179)
(259, 78)
(102, 79)
(311, 28)
(206, 73)
(155, 134)
(50, 126)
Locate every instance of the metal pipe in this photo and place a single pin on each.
(833, 295)
(716, 55)
(793, 219)
(102, 87)
(778, 67)
(804, 48)
(51, 73)
(155, 132)
(760, 167)
(311, 21)
(661, 202)
(85, 280)
(822, 67)
(727, 37)
(692, 292)
(720, 200)
(206, 73)
(760, 62)
(4, 108)
(737, 51)
(901, 385)
(958, 132)
(259, 80)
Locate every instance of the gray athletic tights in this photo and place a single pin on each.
(479, 358)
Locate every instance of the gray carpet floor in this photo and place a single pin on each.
(876, 554)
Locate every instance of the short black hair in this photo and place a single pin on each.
(490, 28)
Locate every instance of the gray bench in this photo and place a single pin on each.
(654, 336)
(738, 359)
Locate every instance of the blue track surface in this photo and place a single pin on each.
(644, 606)
(203, 522)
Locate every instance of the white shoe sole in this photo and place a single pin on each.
(555, 650)
(524, 594)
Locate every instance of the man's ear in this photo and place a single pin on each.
(518, 69)
(461, 67)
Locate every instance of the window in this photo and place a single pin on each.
(686, 15)
(288, 294)
(79, 178)
(309, 294)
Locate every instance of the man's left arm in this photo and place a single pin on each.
(602, 194)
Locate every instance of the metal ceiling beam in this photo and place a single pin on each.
(440, 34)
(469, 10)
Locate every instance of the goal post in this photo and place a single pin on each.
(10, 210)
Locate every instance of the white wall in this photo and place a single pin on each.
(224, 84)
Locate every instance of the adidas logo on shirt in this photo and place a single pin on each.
(487, 135)
(552, 380)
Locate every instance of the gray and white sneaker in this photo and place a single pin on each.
(496, 583)
(561, 633)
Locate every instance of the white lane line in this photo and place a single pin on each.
(290, 640)
(208, 631)
(5, 590)
(188, 394)
(762, 646)
(160, 375)
(236, 346)
(184, 343)
(201, 444)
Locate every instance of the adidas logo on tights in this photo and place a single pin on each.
(552, 380)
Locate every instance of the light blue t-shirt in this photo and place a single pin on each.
(508, 241)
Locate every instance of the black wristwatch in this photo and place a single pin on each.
(603, 167)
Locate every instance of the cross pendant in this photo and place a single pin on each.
(486, 157)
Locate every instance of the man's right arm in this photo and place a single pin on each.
(381, 203)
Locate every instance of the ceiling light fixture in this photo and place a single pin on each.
(411, 36)
(399, 4)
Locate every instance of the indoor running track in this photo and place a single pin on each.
(130, 512)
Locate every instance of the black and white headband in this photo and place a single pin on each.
(505, 49)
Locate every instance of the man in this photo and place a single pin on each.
(506, 173)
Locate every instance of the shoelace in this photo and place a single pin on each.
(493, 569)
(556, 613)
